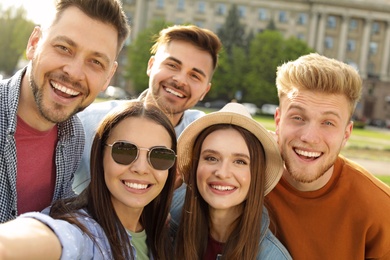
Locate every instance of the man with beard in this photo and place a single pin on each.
(41, 139)
(325, 206)
(180, 70)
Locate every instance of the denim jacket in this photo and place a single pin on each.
(270, 246)
(75, 244)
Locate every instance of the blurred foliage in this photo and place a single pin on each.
(248, 64)
(15, 30)
(139, 54)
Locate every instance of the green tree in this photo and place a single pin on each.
(229, 77)
(15, 30)
(139, 54)
(232, 32)
(269, 50)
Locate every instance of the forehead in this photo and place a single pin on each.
(226, 139)
(144, 132)
(87, 33)
(188, 54)
(317, 103)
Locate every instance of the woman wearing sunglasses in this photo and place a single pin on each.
(229, 162)
(122, 213)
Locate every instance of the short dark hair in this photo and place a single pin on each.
(106, 11)
(202, 38)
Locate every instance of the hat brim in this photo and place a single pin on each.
(274, 162)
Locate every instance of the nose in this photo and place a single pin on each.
(310, 134)
(223, 170)
(75, 69)
(141, 164)
(180, 79)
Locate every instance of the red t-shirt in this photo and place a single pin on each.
(36, 170)
(214, 249)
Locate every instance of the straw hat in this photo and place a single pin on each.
(235, 114)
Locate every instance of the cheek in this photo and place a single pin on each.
(161, 177)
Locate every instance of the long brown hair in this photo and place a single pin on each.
(96, 198)
(244, 239)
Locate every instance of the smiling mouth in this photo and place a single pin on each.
(308, 155)
(136, 186)
(173, 92)
(222, 188)
(64, 91)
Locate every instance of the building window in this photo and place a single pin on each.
(218, 26)
(160, 4)
(221, 9)
(375, 28)
(282, 17)
(332, 22)
(373, 48)
(353, 24)
(241, 11)
(329, 42)
(180, 5)
(353, 64)
(201, 7)
(351, 45)
(302, 18)
(263, 14)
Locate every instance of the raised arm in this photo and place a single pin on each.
(28, 238)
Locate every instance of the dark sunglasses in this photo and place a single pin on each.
(159, 157)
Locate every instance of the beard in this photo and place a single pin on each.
(307, 174)
(55, 114)
(163, 102)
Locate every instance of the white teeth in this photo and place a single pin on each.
(219, 187)
(136, 186)
(65, 89)
(174, 92)
(307, 154)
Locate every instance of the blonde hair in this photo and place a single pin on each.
(315, 72)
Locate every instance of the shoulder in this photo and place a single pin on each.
(272, 248)
(354, 176)
(98, 110)
(189, 116)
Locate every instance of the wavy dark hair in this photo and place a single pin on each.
(96, 198)
(244, 239)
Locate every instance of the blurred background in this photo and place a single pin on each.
(257, 37)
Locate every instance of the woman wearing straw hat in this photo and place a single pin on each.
(229, 163)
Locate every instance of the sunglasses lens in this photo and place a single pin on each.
(162, 158)
(124, 153)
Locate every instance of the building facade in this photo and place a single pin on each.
(356, 32)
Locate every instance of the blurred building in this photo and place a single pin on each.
(354, 31)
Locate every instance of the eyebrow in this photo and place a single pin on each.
(234, 154)
(303, 110)
(73, 44)
(194, 69)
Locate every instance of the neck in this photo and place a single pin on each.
(222, 222)
(311, 186)
(27, 107)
